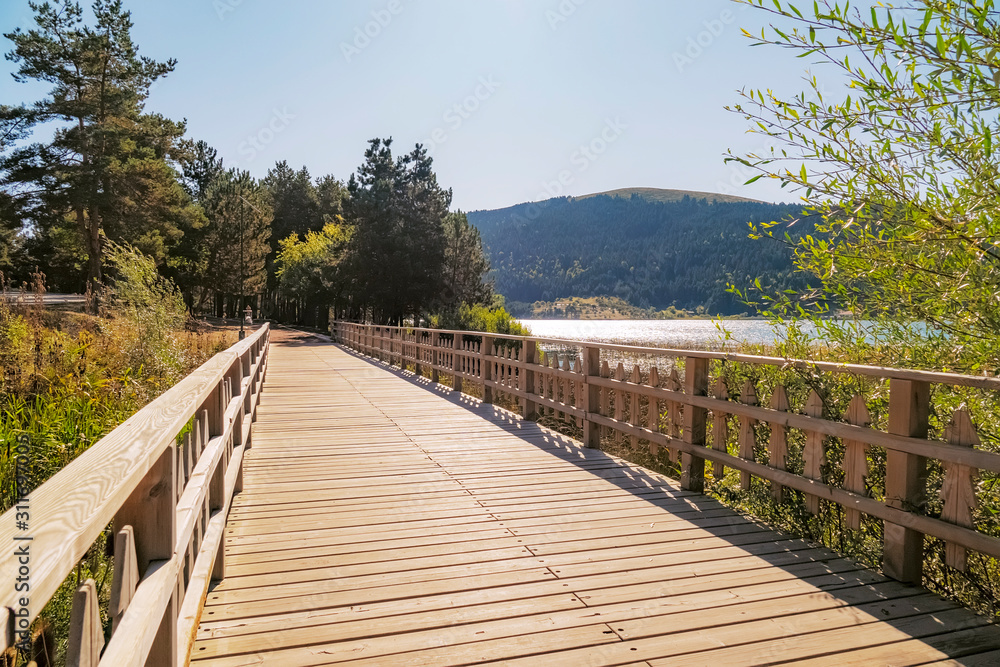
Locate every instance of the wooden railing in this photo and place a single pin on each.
(168, 504)
(695, 417)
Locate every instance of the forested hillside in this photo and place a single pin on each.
(649, 253)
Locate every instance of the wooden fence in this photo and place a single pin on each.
(165, 479)
(696, 419)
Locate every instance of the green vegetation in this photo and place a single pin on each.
(651, 254)
(68, 378)
(72, 185)
(668, 196)
(902, 171)
(597, 308)
(491, 319)
(86, 169)
(397, 254)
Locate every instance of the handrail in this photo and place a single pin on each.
(166, 503)
(609, 403)
(955, 379)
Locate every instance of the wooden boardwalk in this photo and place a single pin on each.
(387, 521)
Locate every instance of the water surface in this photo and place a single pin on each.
(660, 333)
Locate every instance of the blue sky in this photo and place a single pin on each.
(517, 99)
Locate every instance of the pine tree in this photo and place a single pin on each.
(397, 251)
(294, 200)
(465, 265)
(201, 166)
(106, 171)
(236, 242)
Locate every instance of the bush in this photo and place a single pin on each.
(481, 318)
(146, 310)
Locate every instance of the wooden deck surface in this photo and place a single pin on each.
(387, 521)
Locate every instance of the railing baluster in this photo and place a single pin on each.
(592, 399)
(567, 387)
(435, 341)
(720, 429)
(778, 450)
(812, 453)
(529, 408)
(86, 639)
(606, 398)
(674, 413)
(653, 410)
(125, 576)
(619, 402)
(747, 438)
(855, 459)
(959, 489)
(456, 362)
(486, 367)
(633, 408)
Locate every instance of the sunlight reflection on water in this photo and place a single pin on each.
(657, 333)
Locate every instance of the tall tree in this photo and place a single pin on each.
(465, 265)
(237, 238)
(330, 194)
(294, 200)
(902, 164)
(106, 167)
(398, 247)
(311, 271)
(201, 166)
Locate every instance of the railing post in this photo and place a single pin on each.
(695, 384)
(529, 409)
(152, 513)
(592, 396)
(905, 477)
(418, 352)
(435, 341)
(486, 363)
(456, 364)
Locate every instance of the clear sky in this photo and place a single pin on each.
(507, 94)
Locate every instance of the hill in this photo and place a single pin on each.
(652, 254)
(663, 195)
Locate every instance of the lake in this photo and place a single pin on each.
(682, 333)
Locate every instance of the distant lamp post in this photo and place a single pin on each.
(248, 318)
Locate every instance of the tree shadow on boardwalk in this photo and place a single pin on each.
(875, 616)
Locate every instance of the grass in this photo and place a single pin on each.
(66, 380)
